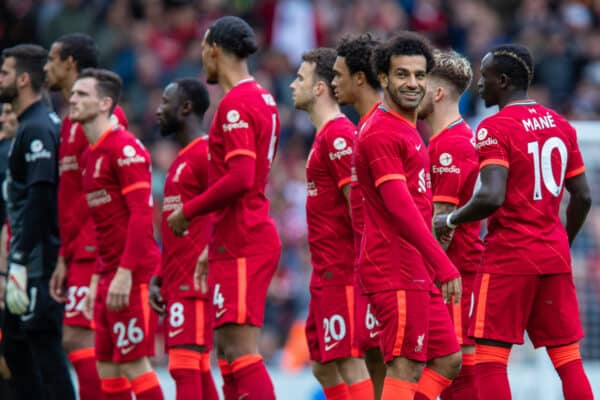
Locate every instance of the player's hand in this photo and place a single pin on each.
(452, 289)
(119, 290)
(157, 303)
(57, 281)
(2, 291)
(9, 122)
(177, 222)
(440, 228)
(90, 298)
(4, 370)
(17, 299)
(201, 273)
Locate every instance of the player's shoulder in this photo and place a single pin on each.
(123, 143)
(247, 95)
(458, 138)
(339, 127)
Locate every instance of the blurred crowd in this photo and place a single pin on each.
(151, 42)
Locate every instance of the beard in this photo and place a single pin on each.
(401, 102)
(8, 94)
(168, 127)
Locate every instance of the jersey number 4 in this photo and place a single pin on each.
(542, 166)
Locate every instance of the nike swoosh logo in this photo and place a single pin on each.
(175, 333)
(70, 314)
(418, 147)
(220, 313)
(127, 350)
(373, 334)
(331, 346)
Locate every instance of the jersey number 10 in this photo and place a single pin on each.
(542, 166)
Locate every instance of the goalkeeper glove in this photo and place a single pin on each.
(17, 299)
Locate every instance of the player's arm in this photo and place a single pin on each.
(443, 208)
(579, 205)
(346, 192)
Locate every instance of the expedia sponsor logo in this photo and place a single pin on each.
(98, 197)
(487, 142)
(172, 203)
(67, 163)
(311, 189)
(235, 125)
(131, 160)
(445, 170)
(339, 154)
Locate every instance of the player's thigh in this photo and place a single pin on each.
(239, 288)
(188, 323)
(333, 311)
(503, 304)
(367, 326)
(555, 317)
(79, 274)
(403, 316)
(442, 339)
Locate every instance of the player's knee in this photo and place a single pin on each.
(405, 370)
(353, 370)
(135, 368)
(453, 364)
(327, 374)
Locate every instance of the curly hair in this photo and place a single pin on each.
(323, 58)
(357, 51)
(453, 68)
(404, 43)
(516, 62)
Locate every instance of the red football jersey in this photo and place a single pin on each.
(356, 198)
(540, 150)
(454, 171)
(330, 235)
(116, 166)
(77, 235)
(246, 123)
(389, 147)
(187, 177)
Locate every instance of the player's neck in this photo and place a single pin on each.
(322, 112)
(409, 115)
(512, 96)
(365, 101)
(94, 128)
(24, 100)
(232, 73)
(190, 130)
(444, 115)
(66, 89)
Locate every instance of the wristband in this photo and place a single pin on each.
(449, 223)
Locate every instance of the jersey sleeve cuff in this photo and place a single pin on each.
(446, 199)
(135, 186)
(240, 152)
(494, 161)
(575, 172)
(344, 181)
(389, 177)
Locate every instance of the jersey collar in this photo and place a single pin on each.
(251, 79)
(191, 144)
(395, 115)
(524, 102)
(337, 116)
(450, 126)
(365, 117)
(103, 137)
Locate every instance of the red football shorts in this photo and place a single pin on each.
(330, 325)
(462, 313)
(188, 322)
(367, 326)
(239, 288)
(543, 305)
(404, 319)
(79, 274)
(125, 335)
(441, 337)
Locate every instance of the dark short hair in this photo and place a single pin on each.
(234, 35)
(29, 58)
(194, 91)
(357, 51)
(323, 58)
(402, 44)
(108, 83)
(81, 47)
(516, 62)
(453, 68)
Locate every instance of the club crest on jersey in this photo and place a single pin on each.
(131, 156)
(234, 121)
(37, 151)
(72, 132)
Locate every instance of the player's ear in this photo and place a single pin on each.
(23, 79)
(503, 81)
(439, 93)
(383, 80)
(359, 78)
(186, 108)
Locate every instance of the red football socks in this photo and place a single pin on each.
(184, 367)
(431, 385)
(464, 386)
(229, 384)
(362, 390)
(394, 389)
(115, 388)
(337, 392)
(491, 362)
(567, 361)
(252, 378)
(147, 387)
(209, 390)
(84, 363)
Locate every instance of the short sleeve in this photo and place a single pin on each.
(492, 143)
(575, 165)
(39, 149)
(339, 157)
(132, 166)
(446, 172)
(238, 130)
(384, 157)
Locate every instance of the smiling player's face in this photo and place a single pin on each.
(406, 81)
